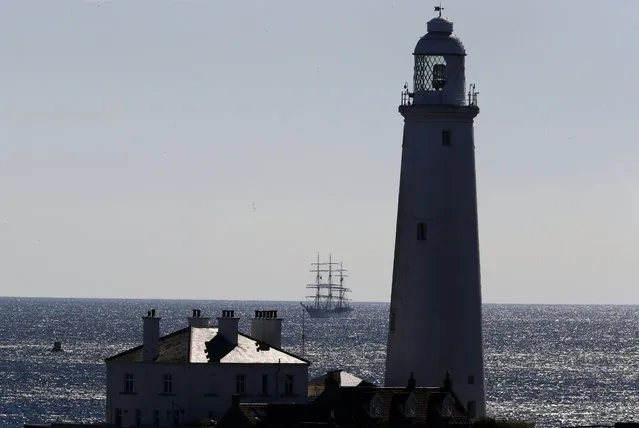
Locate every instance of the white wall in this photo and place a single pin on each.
(197, 388)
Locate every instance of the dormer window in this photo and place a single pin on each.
(410, 407)
(376, 409)
(448, 407)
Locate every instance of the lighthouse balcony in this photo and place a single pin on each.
(437, 97)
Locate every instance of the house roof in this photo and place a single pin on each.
(343, 378)
(204, 345)
(353, 404)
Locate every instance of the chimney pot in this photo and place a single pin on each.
(227, 326)
(197, 320)
(150, 336)
(267, 328)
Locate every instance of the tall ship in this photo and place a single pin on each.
(328, 298)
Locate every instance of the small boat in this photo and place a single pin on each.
(329, 299)
(57, 347)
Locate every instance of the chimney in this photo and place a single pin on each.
(448, 383)
(267, 327)
(332, 380)
(150, 336)
(197, 320)
(227, 326)
(235, 401)
(411, 382)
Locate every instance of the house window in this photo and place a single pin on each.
(138, 417)
(239, 384)
(118, 417)
(128, 382)
(421, 231)
(472, 409)
(471, 380)
(392, 321)
(264, 384)
(446, 138)
(288, 385)
(156, 417)
(176, 417)
(168, 383)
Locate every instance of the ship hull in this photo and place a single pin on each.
(342, 312)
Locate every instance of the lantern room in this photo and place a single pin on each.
(439, 66)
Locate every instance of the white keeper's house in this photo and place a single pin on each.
(191, 374)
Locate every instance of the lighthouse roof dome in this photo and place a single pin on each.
(439, 40)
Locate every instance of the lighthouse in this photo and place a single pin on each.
(435, 323)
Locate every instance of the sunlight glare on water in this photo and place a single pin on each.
(557, 365)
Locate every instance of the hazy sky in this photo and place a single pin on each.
(209, 149)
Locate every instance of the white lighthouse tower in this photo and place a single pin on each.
(435, 324)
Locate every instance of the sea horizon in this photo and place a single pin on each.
(192, 299)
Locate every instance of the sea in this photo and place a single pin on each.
(556, 365)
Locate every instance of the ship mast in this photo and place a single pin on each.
(341, 288)
(322, 300)
(329, 300)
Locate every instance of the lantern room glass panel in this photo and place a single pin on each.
(430, 73)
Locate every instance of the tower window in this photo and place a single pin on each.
(471, 380)
(446, 137)
(421, 231)
(391, 322)
(472, 409)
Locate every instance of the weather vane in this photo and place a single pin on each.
(439, 8)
